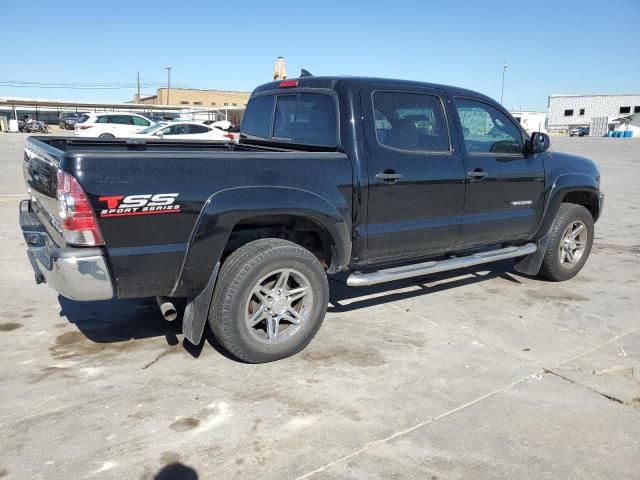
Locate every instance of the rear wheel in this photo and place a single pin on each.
(106, 135)
(270, 300)
(570, 243)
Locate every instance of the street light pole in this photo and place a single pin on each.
(504, 69)
(138, 86)
(168, 69)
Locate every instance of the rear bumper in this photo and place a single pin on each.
(76, 273)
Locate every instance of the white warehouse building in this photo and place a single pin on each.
(595, 111)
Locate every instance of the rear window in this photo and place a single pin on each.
(257, 117)
(304, 118)
(83, 118)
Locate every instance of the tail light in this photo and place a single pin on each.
(229, 136)
(84, 127)
(79, 224)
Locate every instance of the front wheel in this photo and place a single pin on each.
(570, 243)
(270, 300)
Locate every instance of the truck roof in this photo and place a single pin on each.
(330, 82)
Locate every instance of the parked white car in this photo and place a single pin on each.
(185, 131)
(110, 125)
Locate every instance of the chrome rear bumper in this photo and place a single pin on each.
(76, 273)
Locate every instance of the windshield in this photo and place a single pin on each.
(151, 128)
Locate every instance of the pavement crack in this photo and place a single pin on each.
(602, 394)
(158, 357)
(376, 443)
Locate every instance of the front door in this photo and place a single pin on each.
(505, 189)
(416, 180)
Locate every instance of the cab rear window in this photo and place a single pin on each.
(302, 118)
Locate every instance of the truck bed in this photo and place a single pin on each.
(151, 254)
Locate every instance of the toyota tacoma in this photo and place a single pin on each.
(381, 179)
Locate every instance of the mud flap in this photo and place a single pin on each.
(197, 310)
(530, 264)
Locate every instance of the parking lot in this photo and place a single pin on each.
(479, 373)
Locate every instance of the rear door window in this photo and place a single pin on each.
(194, 129)
(121, 119)
(307, 119)
(410, 121)
(103, 119)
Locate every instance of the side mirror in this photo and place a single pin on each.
(540, 142)
(159, 134)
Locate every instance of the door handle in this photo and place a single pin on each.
(477, 174)
(389, 177)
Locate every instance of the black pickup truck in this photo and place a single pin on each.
(385, 179)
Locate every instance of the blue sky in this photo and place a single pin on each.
(575, 47)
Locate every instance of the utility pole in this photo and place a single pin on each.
(168, 69)
(504, 69)
(138, 86)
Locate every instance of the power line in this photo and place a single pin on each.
(104, 86)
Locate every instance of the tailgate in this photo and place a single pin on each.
(40, 168)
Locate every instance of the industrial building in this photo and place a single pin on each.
(200, 101)
(595, 111)
(49, 110)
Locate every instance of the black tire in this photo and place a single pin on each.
(106, 135)
(553, 268)
(234, 296)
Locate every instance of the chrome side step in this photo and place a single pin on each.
(359, 279)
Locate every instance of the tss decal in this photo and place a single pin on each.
(122, 206)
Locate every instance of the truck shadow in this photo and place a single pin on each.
(114, 321)
(343, 298)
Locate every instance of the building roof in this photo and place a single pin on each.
(41, 102)
(553, 95)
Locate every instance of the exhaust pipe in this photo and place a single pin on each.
(167, 308)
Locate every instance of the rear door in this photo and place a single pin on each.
(505, 189)
(199, 132)
(416, 179)
(122, 125)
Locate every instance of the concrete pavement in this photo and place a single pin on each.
(480, 373)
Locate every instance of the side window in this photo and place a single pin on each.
(307, 119)
(486, 129)
(178, 129)
(410, 121)
(140, 122)
(197, 129)
(257, 118)
(121, 119)
(103, 119)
